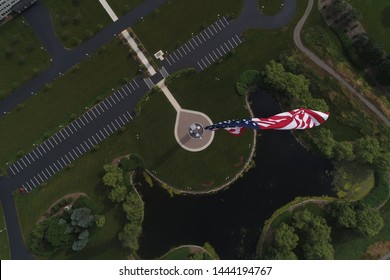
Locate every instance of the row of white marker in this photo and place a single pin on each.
(219, 52)
(197, 40)
(73, 127)
(78, 151)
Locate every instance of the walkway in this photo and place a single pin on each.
(331, 71)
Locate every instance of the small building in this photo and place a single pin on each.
(7, 7)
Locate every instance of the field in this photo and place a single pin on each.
(64, 99)
(21, 56)
(270, 7)
(76, 21)
(120, 7)
(375, 19)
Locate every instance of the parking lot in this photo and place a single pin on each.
(79, 137)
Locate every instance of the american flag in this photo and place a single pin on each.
(295, 119)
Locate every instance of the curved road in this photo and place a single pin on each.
(51, 156)
(327, 68)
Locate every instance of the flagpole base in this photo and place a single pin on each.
(195, 131)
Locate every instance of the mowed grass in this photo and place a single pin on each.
(4, 244)
(270, 7)
(183, 253)
(42, 114)
(120, 7)
(172, 24)
(375, 19)
(76, 21)
(350, 245)
(21, 56)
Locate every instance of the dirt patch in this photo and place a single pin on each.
(378, 250)
(73, 196)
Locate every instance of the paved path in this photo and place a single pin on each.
(331, 71)
(108, 116)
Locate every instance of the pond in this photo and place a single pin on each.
(231, 220)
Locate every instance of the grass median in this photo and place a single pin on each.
(4, 244)
(21, 56)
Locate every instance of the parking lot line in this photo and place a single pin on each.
(203, 37)
(125, 117)
(52, 169)
(64, 161)
(32, 183)
(102, 134)
(40, 177)
(116, 96)
(90, 142)
(21, 167)
(216, 31)
(193, 39)
(135, 82)
(118, 123)
(110, 129)
(112, 99)
(23, 162)
(226, 20)
(44, 175)
(176, 56)
(116, 128)
(170, 64)
(106, 131)
(238, 38)
(222, 23)
(35, 154)
(200, 66)
(183, 50)
(207, 60)
(109, 102)
(227, 47)
(85, 118)
(47, 146)
(39, 152)
(230, 44)
(218, 26)
(48, 172)
(180, 52)
(32, 158)
(27, 159)
(75, 154)
(93, 138)
(64, 130)
(78, 149)
(105, 105)
(212, 58)
(68, 159)
(82, 147)
(101, 108)
(205, 65)
(48, 140)
(60, 164)
(97, 136)
(10, 168)
(121, 94)
(235, 41)
(215, 55)
(209, 29)
(36, 180)
(200, 41)
(71, 156)
(124, 123)
(41, 147)
(28, 185)
(224, 52)
(89, 116)
(127, 112)
(93, 113)
(55, 166)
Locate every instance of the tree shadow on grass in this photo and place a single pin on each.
(386, 17)
(168, 154)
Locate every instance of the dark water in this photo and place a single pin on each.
(231, 220)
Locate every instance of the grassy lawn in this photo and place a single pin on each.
(270, 7)
(4, 245)
(120, 7)
(76, 21)
(67, 96)
(182, 253)
(21, 56)
(352, 180)
(350, 245)
(173, 23)
(375, 19)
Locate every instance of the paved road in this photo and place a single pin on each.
(327, 68)
(108, 116)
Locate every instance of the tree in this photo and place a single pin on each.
(382, 162)
(283, 255)
(129, 236)
(82, 218)
(100, 220)
(368, 149)
(343, 151)
(361, 41)
(344, 213)
(369, 220)
(56, 235)
(79, 244)
(318, 251)
(285, 238)
(113, 176)
(118, 194)
(133, 207)
(323, 139)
